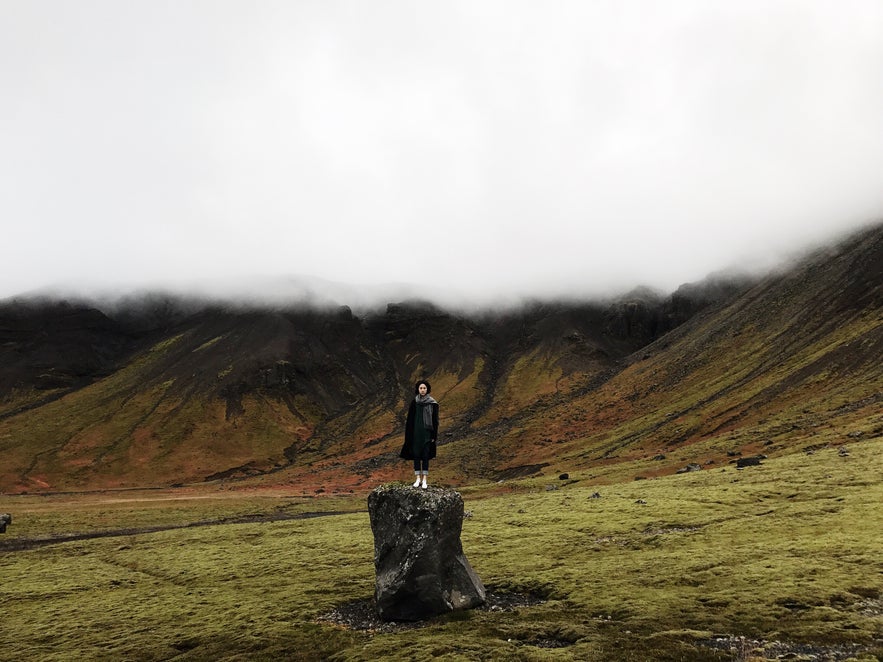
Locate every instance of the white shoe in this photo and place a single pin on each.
(423, 484)
(417, 482)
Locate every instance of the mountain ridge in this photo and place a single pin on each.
(166, 394)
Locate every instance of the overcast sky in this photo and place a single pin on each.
(477, 149)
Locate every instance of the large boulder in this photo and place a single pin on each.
(418, 557)
(5, 519)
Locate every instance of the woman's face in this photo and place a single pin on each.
(421, 389)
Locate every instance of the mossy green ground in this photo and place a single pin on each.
(791, 550)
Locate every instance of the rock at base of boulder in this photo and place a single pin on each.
(421, 570)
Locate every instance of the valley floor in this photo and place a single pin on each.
(780, 559)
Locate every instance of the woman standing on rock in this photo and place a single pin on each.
(421, 432)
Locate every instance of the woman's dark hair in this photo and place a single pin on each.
(417, 387)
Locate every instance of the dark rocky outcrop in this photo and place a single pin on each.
(5, 520)
(752, 461)
(47, 345)
(421, 570)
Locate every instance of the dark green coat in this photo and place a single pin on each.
(419, 446)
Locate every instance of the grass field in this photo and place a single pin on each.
(787, 555)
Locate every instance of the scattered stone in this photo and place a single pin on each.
(551, 488)
(843, 452)
(421, 570)
(642, 502)
(752, 461)
(855, 435)
(595, 495)
(550, 642)
(710, 462)
(362, 614)
(659, 457)
(467, 513)
(668, 529)
(744, 648)
(768, 442)
(640, 477)
(5, 520)
(690, 467)
(563, 476)
(733, 453)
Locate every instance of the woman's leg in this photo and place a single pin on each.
(425, 470)
(416, 473)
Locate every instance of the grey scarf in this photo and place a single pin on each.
(422, 400)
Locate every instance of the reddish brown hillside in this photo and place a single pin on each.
(314, 400)
(165, 392)
(794, 363)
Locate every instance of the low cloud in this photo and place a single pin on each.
(470, 152)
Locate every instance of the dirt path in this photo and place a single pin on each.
(21, 544)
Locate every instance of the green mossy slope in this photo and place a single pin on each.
(786, 552)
